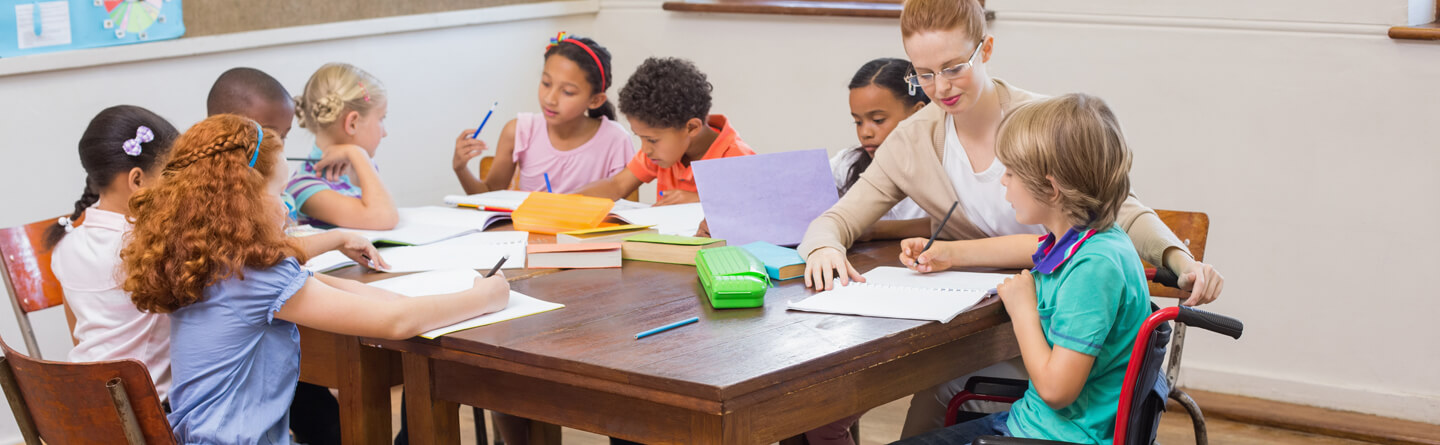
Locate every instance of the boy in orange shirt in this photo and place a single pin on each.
(667, 102)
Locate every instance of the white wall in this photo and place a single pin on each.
(1302, 131)
(1310, 144)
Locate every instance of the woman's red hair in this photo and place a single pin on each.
(209, 217)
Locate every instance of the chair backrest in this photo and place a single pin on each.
(99, 402)
(1148, 384)
(1193, 229)
(488, 161)
(28, 279)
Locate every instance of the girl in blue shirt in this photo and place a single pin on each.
(209, 249)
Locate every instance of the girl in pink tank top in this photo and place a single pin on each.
(574, 139)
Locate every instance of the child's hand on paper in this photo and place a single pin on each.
(704, 231)
(493, 291)
(359, 249)
(677, 197)
(936, 259)
(821, 267)
(334, 163)
(467, 149)
(1018, 293)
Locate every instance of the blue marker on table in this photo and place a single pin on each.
(666, 328)
(547, 184)
(487, 119)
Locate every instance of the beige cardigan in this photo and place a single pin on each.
(910, 163)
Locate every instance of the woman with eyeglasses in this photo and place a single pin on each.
(944, 154)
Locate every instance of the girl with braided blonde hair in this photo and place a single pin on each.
(209, 248)
(345, 108)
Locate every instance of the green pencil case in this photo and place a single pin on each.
(732, 277)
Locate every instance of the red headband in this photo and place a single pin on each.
(562, 38)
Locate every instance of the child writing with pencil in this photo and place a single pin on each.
(667, 102)
(235, 289)
(572, 142)
(345, 108)
(1075, 314)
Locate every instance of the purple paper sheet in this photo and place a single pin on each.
(770, 197)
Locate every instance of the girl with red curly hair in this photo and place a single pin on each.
(209, 248)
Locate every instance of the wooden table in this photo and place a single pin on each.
(740, 376)
(363, 374)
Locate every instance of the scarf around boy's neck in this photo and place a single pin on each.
(1053, 252)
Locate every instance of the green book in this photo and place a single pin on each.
(671, 249)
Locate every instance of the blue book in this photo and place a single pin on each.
(782, 263)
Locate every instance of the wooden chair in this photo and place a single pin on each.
(28, 279)
(83, 403)
(488, 161)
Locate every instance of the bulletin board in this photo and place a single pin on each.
(211, 17)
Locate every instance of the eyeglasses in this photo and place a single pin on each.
(951, 73)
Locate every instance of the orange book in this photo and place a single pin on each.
(552, 213)
(572, 256)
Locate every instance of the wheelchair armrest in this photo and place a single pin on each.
(1001, 440)
(1210, 321)
(1162, 276)
(996, 386)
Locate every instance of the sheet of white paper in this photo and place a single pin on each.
(54, 24)
(679, 219)
(903, 277)
(456, 280)
(509, 199)
(894, 292)
(625, 204)
(475, 251)
(329, 261)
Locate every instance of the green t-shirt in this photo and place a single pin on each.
(1094, 304)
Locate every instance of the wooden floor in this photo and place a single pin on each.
(882, 426)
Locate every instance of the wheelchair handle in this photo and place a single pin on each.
(1210, 321)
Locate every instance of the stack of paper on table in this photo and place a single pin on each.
(897, 292)
(456, 280)
(770, 197)
(504, 199)
(475, 251)
(679, 219)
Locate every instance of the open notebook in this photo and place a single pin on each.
(897, 292)
(424, 225)
(456, 280)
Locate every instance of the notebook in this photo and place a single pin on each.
(504, 199)
(673, 249)
(456, 280)
(573, 256)
(897, 292)
(770, 197)
(552, 213)
(781, 263)
(475, 251)
(424, 225)
(679, 219)
(612, 234)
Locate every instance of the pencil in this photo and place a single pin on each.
(487, 119)
(938, 229)
(547, 184)
(666, 327)
(497, 266)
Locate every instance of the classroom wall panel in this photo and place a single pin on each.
(1307, 145)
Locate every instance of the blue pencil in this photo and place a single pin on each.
(547, 184)
(487, 119)
(666, 328)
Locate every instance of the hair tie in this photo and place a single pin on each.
(363, 90)
(258, 140)
(142, 135)
(562, 37)
(65, 222)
